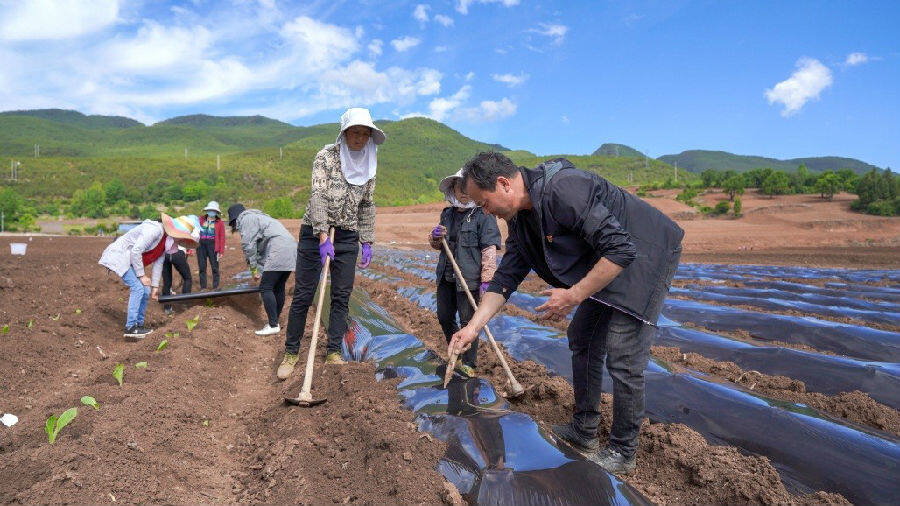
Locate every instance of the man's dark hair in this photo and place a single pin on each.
(485, 167)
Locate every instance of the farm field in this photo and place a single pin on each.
(766, 385)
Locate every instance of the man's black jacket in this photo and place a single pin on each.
(582, 218)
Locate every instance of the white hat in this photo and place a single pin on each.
(446, 184)
(213, 206)
(359, 116)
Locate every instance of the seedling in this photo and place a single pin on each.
(141, 365)
(30, 323)
(162, 345)
(206, 423)
(55, 318)
(5, 329)
(87, 400)
(192, 323)
(77, 311)
(172, 334)
(119, 373)
(56, 423)
(209, 302)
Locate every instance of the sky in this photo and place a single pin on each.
(779, 79)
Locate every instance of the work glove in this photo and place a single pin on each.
(483, 288)
(326, 249)
(366, 258)
(438, 232)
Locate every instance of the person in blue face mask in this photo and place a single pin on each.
(212, 243)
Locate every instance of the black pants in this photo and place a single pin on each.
(271, 289)
(600, 333)
(309, 270)
(451, 301)
(207, 250)
(179, 261)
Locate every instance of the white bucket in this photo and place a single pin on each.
(17, 248)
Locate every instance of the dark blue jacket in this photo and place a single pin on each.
(477, 231)
(583, 217)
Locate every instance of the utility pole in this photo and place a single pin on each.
(281, 153)
(218, 163)
(185, 152)
(2, 221)
(37, 150)
(676, 172)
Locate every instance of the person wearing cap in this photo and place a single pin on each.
(212, 243)
(141, 248)
(271, 253)
(342, 197)
(473, 238)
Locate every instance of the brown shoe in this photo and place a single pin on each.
(335, 358)
(287, 365)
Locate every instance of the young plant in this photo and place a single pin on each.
(55, 318)
(5, 329)
(141, 365)
(30, 323)
(87, 400)
(162, 345)
(78, 311)
(170, 335)
(56, 423)
(119, 373)
(192, 323)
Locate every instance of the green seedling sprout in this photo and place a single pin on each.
(209, 302)
(77, 311)
(30, 323)
(192, 323)
(170, 335)
(56, 423)
(206, 423)
(87, 400)
(162, 345)
(5, 329)
(119, 373)
(141, 365)
(55, 318)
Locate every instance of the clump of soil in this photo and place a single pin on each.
(855, 406)
(676, 465)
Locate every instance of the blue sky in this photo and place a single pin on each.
(780, 79)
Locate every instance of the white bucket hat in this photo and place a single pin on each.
(359, 116)
(446, 187)
(212, 206)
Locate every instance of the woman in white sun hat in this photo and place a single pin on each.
(212, 243)
(343, 192)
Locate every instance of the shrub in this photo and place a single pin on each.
(722, 207)
(737, 206)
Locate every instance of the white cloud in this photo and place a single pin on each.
(319, 44)
(854, 59)
(510, 80)
(55, 19)
(444, 20)
(440, 49)
(420, 13)
(462, 6)
(470, 76)
(565, 119)
(556, 32)
(375, 47)
(489, 111)
(405, 43)
(804, 85)
(440, 108)
(157, 48)
(359, 32)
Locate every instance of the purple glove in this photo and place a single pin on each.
(438, 232)
(326, 250)
(366, 255)
(483, 288)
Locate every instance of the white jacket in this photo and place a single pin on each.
(126, 251)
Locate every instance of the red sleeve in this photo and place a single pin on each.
(220, 237)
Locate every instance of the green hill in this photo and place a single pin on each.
(609, 149)
(700, 160)
(614, 168)
(76, 118)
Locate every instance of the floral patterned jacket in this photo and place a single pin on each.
(335, 202)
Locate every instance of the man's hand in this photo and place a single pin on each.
(461, 340)
(145, 280)
(560, 304)
(154, 293)
(219, 257)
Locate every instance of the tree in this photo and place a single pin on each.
(734, 185)
(710, 178)
(90, 202)
(737, 206)
(281, 207)
(800, 179)
(828, 184)
(114, 190)
(776, 183)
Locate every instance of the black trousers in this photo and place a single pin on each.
(599, 333)
(271, 289)
(207, 251)
(309, 270)
(179, 261)
(451, 301)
